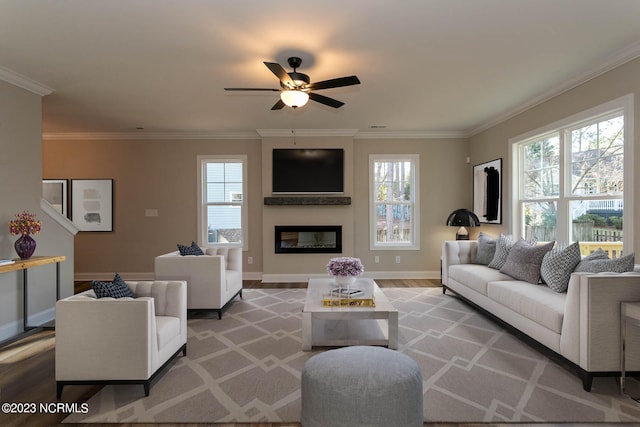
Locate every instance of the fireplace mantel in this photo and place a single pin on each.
(307, 200)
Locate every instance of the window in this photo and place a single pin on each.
(222, 214)
(571, 178)
(394, 210)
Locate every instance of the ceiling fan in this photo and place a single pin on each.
(297, 89)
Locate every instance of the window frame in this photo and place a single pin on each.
(622, 106)
(202, 161)
(414, 203)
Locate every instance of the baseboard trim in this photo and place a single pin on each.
(11, 329)
(85, 277)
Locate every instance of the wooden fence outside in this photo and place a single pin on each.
(590, 237)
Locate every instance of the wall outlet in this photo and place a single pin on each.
(376, 259)
(151, 212)
(398, 260)
(250, 260)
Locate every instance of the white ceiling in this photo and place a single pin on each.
(426, 66)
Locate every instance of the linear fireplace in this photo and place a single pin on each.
(308, 239)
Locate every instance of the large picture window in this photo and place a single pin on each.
(394, 210)
(222, 213)
(571, 180)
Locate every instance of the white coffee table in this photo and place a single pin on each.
(347, 325)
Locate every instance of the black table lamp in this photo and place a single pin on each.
(463, 218)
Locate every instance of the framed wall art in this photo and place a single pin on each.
(54, 191)
(487, 191)
(92, 204)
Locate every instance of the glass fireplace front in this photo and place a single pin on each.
(314, 239)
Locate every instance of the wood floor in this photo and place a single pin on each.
(27, 375)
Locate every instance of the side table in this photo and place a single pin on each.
(629, 315)
(24, 265)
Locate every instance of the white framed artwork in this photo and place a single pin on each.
(487, 191)
(92, 204)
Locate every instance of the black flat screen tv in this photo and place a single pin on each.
(308, 171)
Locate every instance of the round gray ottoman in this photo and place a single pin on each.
(361, 386)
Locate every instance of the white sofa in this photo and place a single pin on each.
(213, 279)
(581, 326)
(120, 341)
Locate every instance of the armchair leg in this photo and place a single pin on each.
(59, 387)
(147, 388)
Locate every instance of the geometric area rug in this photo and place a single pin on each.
(246, 368)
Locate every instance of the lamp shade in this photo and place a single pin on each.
(294, 98)
(463, 218)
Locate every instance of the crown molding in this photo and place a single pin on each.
(24, 82)
(617, 59)
(266, 133)
(259, 133)
(386, 134)
(102, 136)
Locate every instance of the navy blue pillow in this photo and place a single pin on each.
(116, 289)
(194, 249)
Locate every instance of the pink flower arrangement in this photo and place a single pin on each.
(345, 266)
(24, 223)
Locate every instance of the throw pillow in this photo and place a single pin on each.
(524, 260)
(617, 265)
(503, 246)
(486, 249)
(194, 249)
(116, 289)
(557, 266)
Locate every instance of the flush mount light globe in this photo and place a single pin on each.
(294, 98)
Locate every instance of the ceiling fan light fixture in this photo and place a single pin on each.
(294, 98)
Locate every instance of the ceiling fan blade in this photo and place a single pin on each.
(339, 82)
(326, 100)
(278, 105)
(249, 89)
(280, 73)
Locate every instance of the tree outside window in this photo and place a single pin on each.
(571, 184)
(394, 217)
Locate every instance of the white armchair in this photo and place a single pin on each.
(213, 279)
(120, 341)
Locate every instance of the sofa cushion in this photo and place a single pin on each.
(557, 266)
(617, 265)
(475, 276)
(535, 302)
(194, 249)
(486, 249)
(503, 246)
(167, 328)
(524, 260)
(116, 289)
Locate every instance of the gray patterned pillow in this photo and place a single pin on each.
(557, 266)
(617, 265)
(194, 249)
(503, 246)
(486, 249)
(524, 260)
(116, 289)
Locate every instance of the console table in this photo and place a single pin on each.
(25, 265)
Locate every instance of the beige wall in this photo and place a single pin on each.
(147, 174)
(445, 179)
(493, 143)
(20, 189)
(161, 174)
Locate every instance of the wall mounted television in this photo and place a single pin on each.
(308, 171)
